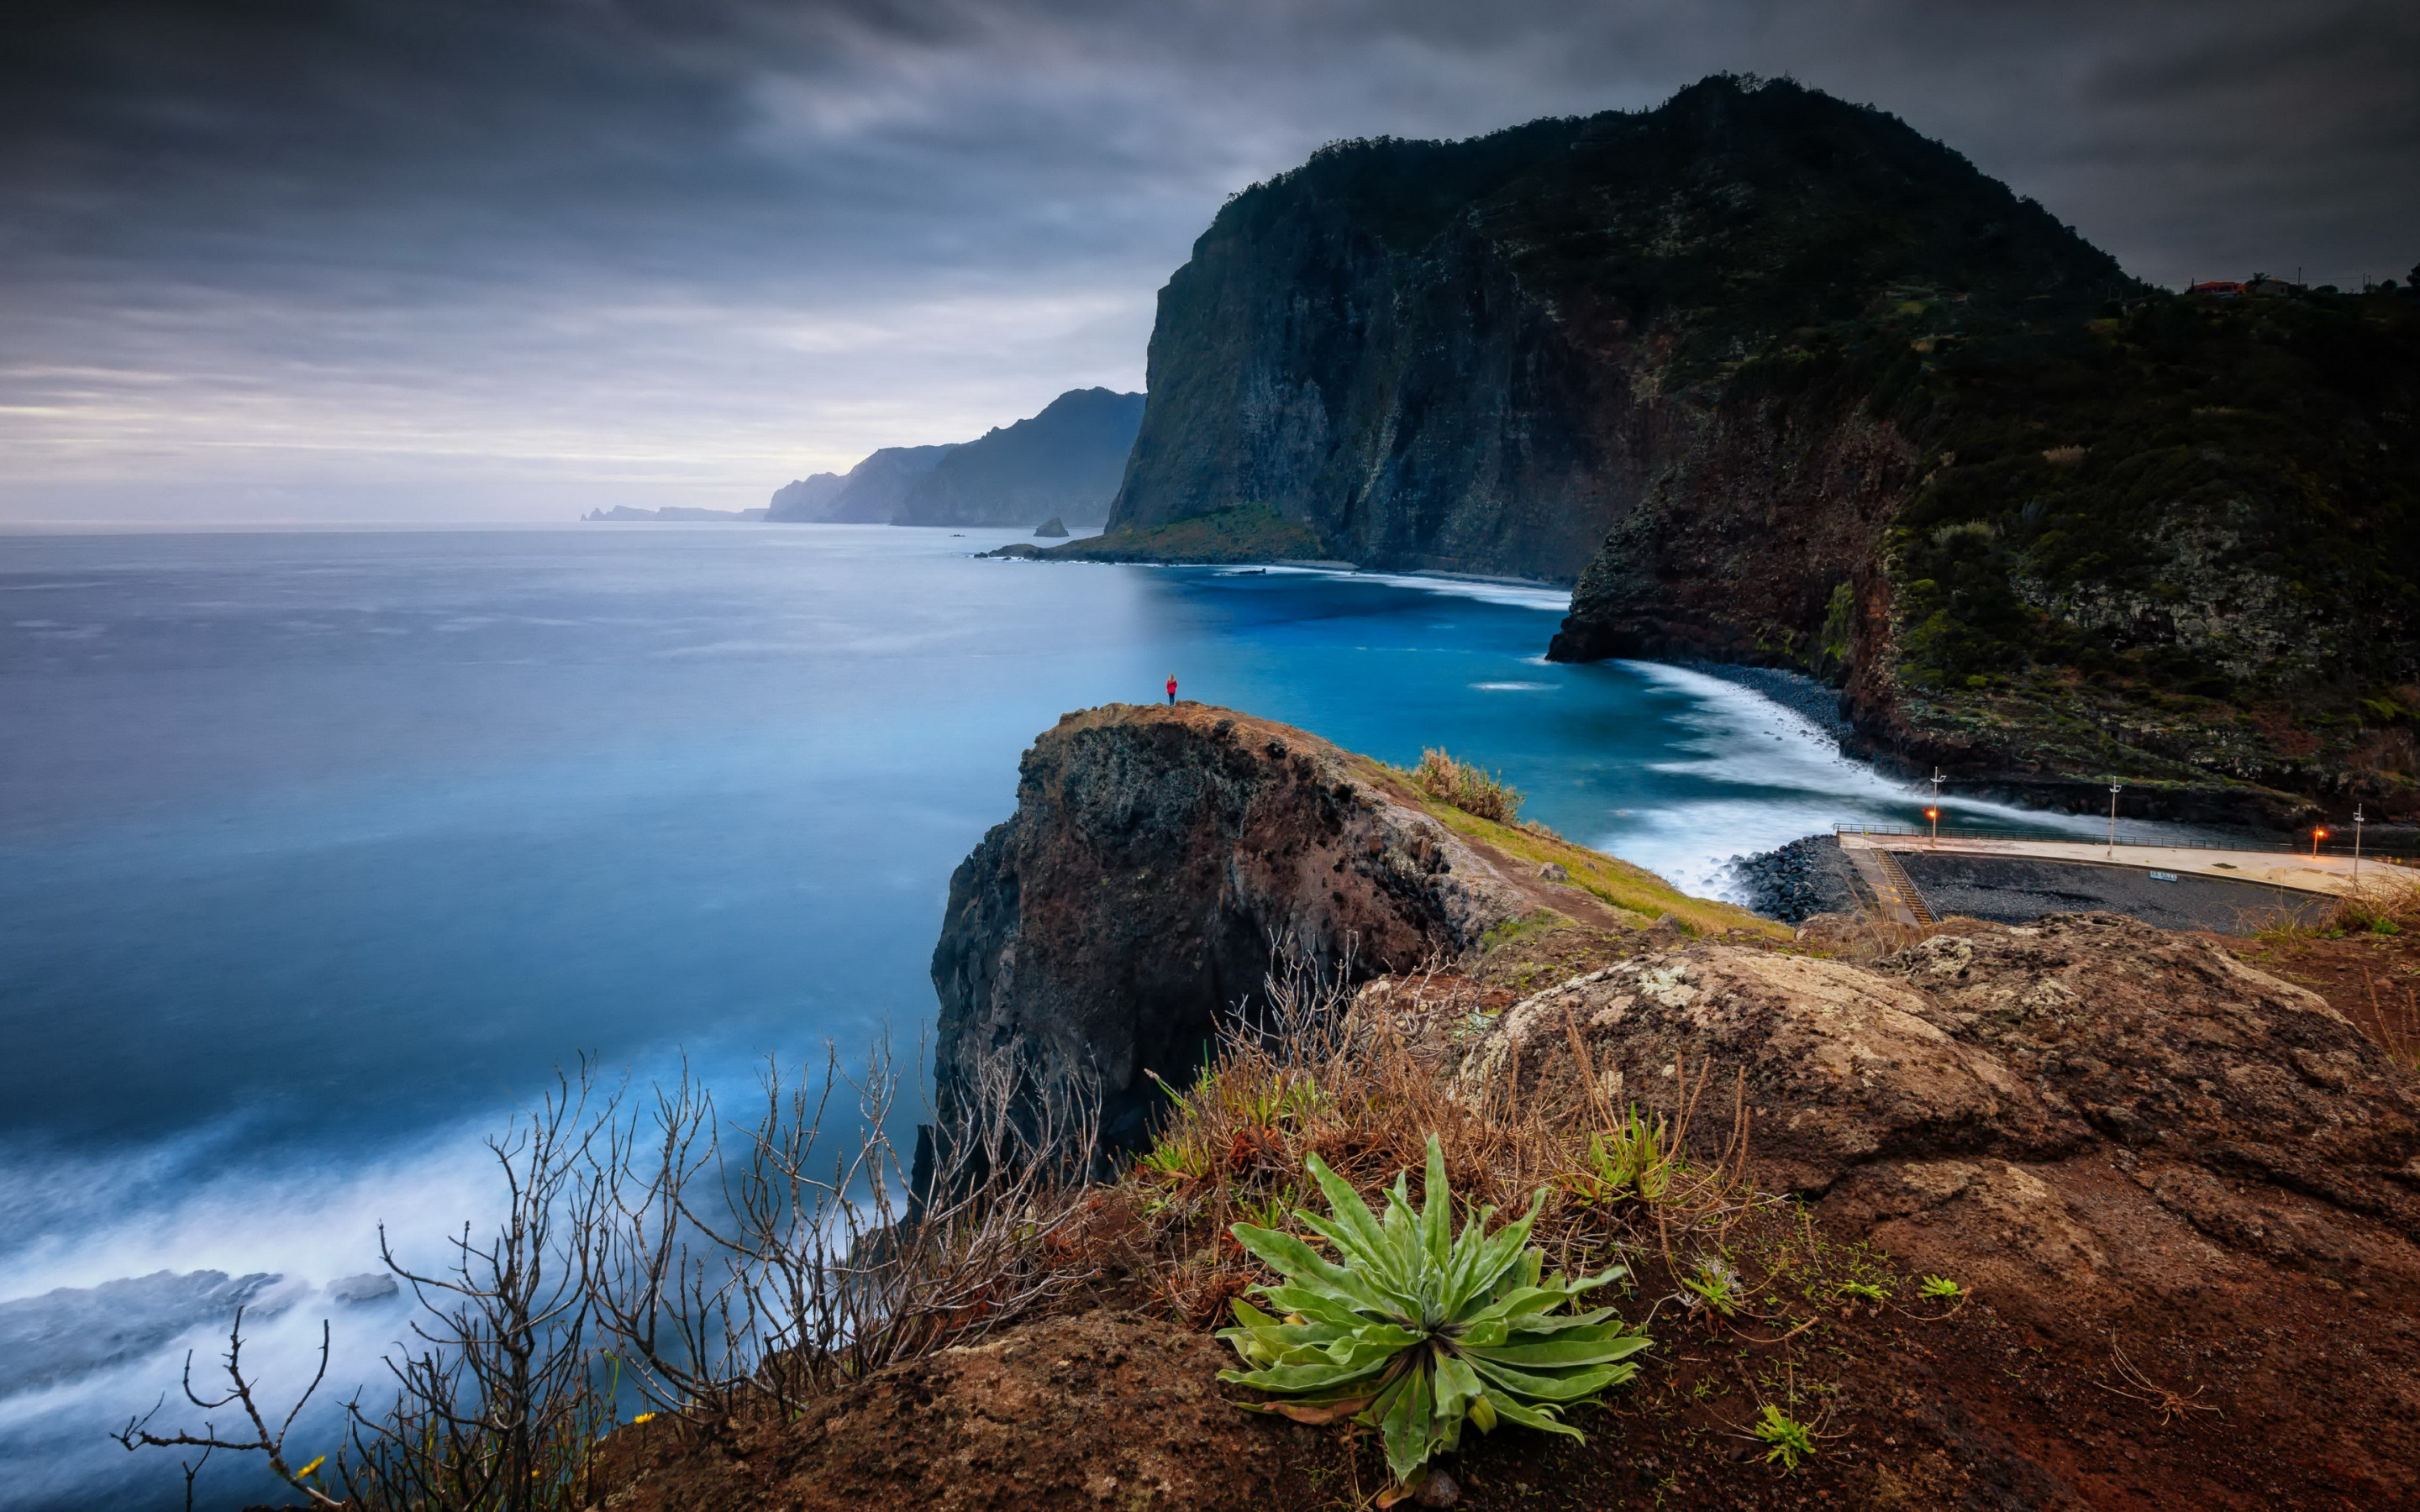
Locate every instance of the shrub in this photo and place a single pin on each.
(1466, 787)
(1413, 1330)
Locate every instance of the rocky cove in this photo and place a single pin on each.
(2081, 1213)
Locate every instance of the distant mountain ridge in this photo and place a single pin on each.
(1065, 462)
(870, 493)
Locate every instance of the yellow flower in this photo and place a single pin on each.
(643, 1417)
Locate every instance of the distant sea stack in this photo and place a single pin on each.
(1066, 461)
(1773, 379)
(1054, 526)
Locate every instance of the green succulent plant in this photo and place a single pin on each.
(1412, 1329)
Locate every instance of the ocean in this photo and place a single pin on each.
(322, 850)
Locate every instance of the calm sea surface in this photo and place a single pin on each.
(320, 850)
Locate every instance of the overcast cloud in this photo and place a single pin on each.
(517, 258)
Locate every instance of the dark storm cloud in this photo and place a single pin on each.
(510, 253)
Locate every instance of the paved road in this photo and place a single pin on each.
(2286, 869)
(2017, 889)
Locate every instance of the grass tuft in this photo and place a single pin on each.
(1471, 789)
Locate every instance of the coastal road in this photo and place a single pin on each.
(2015, 880)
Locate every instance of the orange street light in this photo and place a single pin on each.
(1935, 814)
(2316, 835)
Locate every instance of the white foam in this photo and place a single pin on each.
(134, 1214)
(1739, 737)
(1553, 600)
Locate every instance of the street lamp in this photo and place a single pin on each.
(1935, 814)
(2115, 788)
(2318, 834)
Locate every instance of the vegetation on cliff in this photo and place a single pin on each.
(2180, 542)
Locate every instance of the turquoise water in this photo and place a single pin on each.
(319, 850)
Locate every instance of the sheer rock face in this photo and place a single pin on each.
(1158, 859)
(1495, 355)
(2073, 1118)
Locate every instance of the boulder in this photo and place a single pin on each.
(361, 1291)
(2078, 1117)
(1054, 526)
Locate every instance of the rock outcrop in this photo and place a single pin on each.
(2079, 1118)
(1160, 860)
(1053, 528)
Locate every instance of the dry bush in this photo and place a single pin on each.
(1469, 788)
(2396, 1019)
(765, 1261)
(727, 1270)
(497, 1404)
(2387, 903)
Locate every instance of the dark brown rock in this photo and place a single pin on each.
(1159, 858)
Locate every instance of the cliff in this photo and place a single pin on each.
(1485, 355)
(1772, 379)
(1161, 860)
(1062, 463)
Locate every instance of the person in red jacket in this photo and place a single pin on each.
(1171, 688)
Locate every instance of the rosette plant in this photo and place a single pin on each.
(1413, 1330)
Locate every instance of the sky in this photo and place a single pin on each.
(515, 260)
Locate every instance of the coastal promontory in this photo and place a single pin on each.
(1769, 378)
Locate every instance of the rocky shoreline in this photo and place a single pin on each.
(1795, 882)
(1816, 702)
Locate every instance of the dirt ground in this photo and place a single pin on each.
(1915, 1404)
